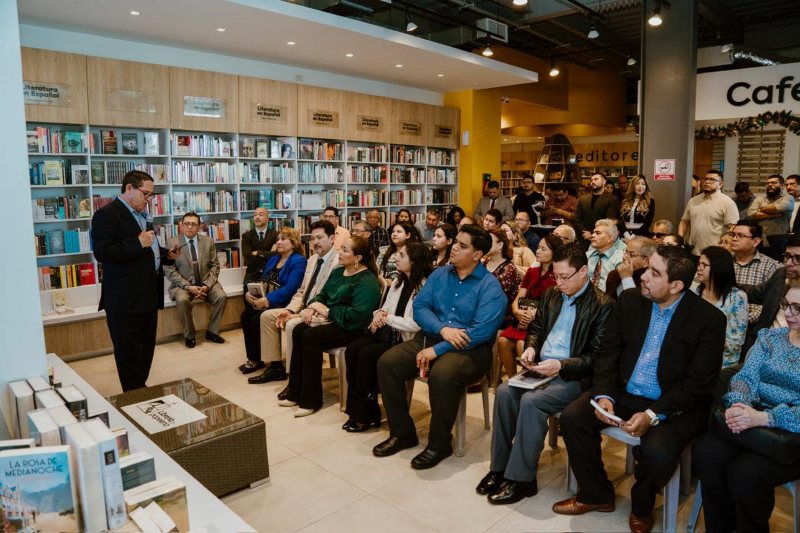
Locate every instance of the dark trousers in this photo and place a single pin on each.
(134, 338)
(362, 378)
(656, 457)
(305, 374)
(251, 328)
(448, 377)
(738, 484)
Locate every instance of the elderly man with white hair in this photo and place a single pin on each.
(605, 253)
(566, 233)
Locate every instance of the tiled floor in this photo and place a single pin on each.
(326, 480)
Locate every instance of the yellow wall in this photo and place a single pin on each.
(480, 116)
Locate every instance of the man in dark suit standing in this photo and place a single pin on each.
(257, 243)
(594, 205)
(659, 380)
(132, 289)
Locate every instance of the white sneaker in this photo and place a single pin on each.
(286, 403)
(303, 412)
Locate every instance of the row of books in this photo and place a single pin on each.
(280, 148)
(319, 173)
(160, 204)
(407, 175)
(321, 150)
(442, 157)
(406, 197)
(112, 172)
(62, 242)
(165, 233)
(202, 146)
(367, 174)
(368, 154)
(442, 176)
(203, 172)
(319, 200)
(57, 172)
(204, 202)
(65, 276)
(60, 208)
(368, 198)
(266, 173)
(441, 196)
(229, 258)
(222, 230)
(267, 198)
(127, 142)
(43, 140)
(408, 155)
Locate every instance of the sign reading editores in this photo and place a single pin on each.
(664, 170)
(43, 93)
(161, 414)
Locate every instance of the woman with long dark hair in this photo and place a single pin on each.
(638, 208)
(333, 318)
(717, 284)
(454, 216)
(498, 262)
(442, 243)
(392, 323)
(401, 233)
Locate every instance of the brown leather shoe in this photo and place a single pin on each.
(572, 506)
(640, 524)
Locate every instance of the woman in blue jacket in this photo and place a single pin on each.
(280, 279)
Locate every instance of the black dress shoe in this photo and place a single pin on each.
(213, 337)
(190, 343)
(270, 374)
(429, 458)
(282, 395)
(392, 445)
(513, 491)
(346, 425)
(358, 427)
(251, 366)
(490, 483)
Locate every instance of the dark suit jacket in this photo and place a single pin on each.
(606, 206)
(613, 281)
(769, 295)
(130, 283)
(690, 357)
(250, 243)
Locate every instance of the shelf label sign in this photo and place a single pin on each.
(202, 106)
(323, 118)
(131, 101)
(45, 93)
(162, 414)
(369, 123)
(443, 132)
(410, 128)
(664, 170)
(269, 112)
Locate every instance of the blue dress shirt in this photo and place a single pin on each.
(559, 340)
(644, 379)
(141, 219)
(475, 304)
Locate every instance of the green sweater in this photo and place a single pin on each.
(350, 299)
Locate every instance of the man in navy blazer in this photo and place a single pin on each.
(132, 288)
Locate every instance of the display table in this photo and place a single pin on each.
(226, 451)
(206, 512)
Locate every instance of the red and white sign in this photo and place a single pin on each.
(664, 170)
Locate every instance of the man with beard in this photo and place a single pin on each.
(560, 205)
(527, 197)
(773, 210)
(594, 205)
(707, 216)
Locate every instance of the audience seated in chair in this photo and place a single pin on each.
(443, 239)
(628, 274)
(498, 262)
(401, 232)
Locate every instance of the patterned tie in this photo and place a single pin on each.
(596, 273)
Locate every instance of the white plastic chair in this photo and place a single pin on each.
(337, 361)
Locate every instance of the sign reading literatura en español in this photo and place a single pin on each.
(320, 117)
(269, 112)
(369, 123)
(410, 128)
(443, 132)
(202, 106)
(44, 93)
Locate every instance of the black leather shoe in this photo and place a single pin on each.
(392, 445)
(190, 343)
(213, 337)
(346, 425)
(513, 491)
(429, 458)
(270, 374)
(358, 427)
(490, 483)
(282, 395)
(251, 366)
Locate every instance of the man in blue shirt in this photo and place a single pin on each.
(459, 311)
(663, 366)
(570, 331)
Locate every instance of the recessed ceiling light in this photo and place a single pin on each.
(520, 2)
(134, 13)
(399, 65)
(348, 54)
(290, 43)
(440, 75)
(220, 30)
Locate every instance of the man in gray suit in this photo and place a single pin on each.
(194, 279)
(318, 268)
(493, 200)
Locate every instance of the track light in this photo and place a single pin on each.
(655, 19)
(411, 26)
(593, 33)
(487, 52)
(726, 48)
(554, 69)
(631, 61)
(520, 2)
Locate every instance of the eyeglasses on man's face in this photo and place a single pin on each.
(562, 277)
(189, 224)
(147, 194)
(710, 179)
(794, 258)
(790, 308)
(735, 235)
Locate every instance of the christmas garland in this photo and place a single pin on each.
(782, 118)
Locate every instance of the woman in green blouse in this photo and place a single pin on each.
(335, 317)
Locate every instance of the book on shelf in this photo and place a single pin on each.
(43, 429)
(74, 142)
(168, 493)
(53, 173)
(75, 401)
(123, 447)
(151, 142)
(45, 399)
(38, 383)
(85, 462)
(116, 513)
(109, 138)
(130, 143)
(98, 172)
(33, 141)
(39, 490)
(16, 444)
(248, 147)
(287, 150)
(80, 174)
(261, 149)
(21, 402)
(137, 469)
(63, 418)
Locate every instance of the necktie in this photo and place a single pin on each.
(597, 269)
(313, 280)
(195, 266)
(491, 204)
(260, 236)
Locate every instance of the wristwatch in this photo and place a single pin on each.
(654, 420)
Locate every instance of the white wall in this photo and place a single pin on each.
(95, 45)
(21, 336)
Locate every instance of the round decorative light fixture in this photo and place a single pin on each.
(487, 52)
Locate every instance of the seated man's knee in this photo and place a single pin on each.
(657, 456)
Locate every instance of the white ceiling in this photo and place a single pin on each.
(260, 29)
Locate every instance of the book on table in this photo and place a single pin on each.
(529, 379)
(137, 469)
(43, 429)
(15, 444)
(63, 417)
(110, 472)
(86, 469)
(168, 493)
(75, 400)
(21, 404)
(45, 399)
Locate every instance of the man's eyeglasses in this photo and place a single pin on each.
(147, 194)
(657, 235)
(330, 217)
(190, 224)
(739, 236)
(562, 277)
(633, 254)
(709, 179)
(794, 258)
(790, 308)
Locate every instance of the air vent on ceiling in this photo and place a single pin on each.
(494, 29)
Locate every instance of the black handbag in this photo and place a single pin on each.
(779, 445)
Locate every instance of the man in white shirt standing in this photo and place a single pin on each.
(707, 216)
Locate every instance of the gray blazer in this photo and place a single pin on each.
(502, 203)
(180, 274)
(296, 305)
